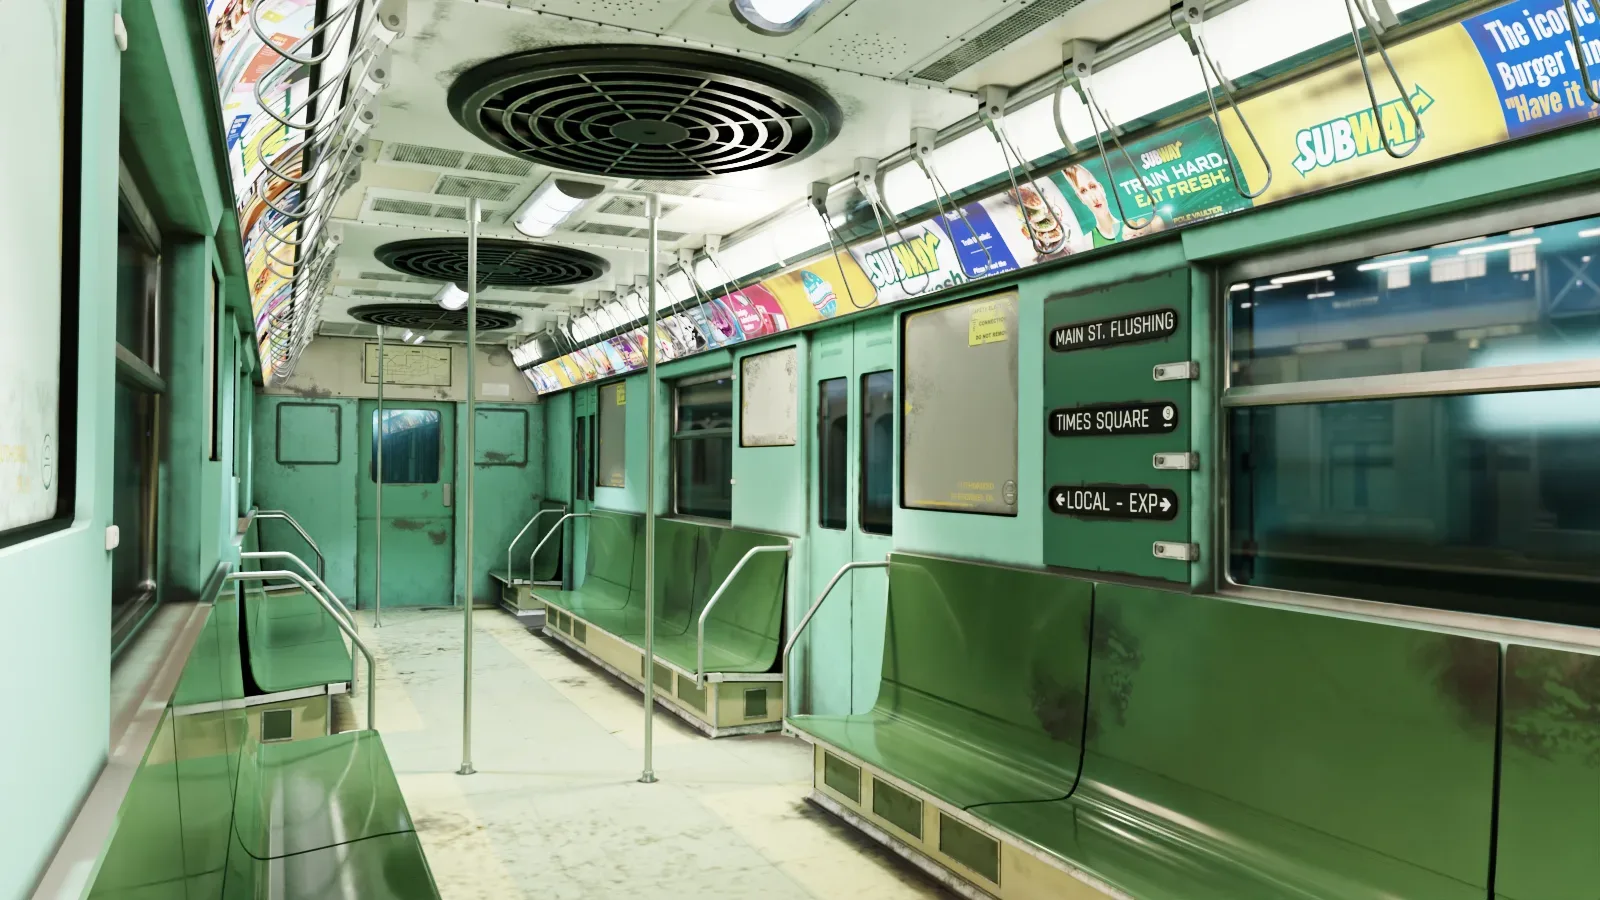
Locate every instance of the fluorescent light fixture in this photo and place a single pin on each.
(418, 339)
(1304, 276)
(1239, 287)
(773, 17)
(552, 203)
(451, 297)
(1246, 305)
(1321, 295)
(1391, 263)
(1589, 233)
(1267, 287)
(1504, 245)
(407, 336)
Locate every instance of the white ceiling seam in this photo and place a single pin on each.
(798, 64)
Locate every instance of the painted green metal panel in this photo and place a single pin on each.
(308, 434)
(1549, 822)
(897, 807)
(389, 866)
(146, 848)
(294, 643)
(321, 497)
(970, 847)
(1085, 383)
(510, 484)
(984, 678)
(841, 776)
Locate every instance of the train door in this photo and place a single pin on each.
(852, 394)
(418, 503)
(584, 408)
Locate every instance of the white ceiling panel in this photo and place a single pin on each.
(888, 37)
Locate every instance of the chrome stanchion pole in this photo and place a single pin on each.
(474, 212)
(653, 210)
(378, 430)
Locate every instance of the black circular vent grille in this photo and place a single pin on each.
(500, 263)
(644, 112)
(429, 317)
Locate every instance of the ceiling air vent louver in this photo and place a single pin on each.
(501, 263)
(429, 317)
(642, 111)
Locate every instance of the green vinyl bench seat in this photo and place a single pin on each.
(983, 684)
(293, 642)
(692, 560)
(1229, 751)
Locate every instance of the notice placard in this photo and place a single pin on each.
(1114, 419)
(1114, 501)
(1133, 328)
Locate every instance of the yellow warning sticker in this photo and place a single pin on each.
(988, 325)
(622, 394)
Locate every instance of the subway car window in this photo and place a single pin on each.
(702, 447)
(1518, 297)
(833, 451)
(610, 439)
(1467, 498)
(135, 478)
(410, 446)
(877, 452)
(581, 457)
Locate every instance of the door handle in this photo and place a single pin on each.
(448, 492)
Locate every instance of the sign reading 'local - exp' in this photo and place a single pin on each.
(1150, 325)
(1109, 419)
(1115, 501)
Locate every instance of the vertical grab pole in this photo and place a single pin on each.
(653, 209)
(377, 526)
(474, 212)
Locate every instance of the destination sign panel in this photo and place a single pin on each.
(1110, 419)
(1115, 501)
(1132, 328)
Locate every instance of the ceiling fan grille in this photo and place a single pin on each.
(641, 111)
(501, 263)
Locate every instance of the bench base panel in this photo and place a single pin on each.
(718, 710)
(1020, 871)
(532, 618)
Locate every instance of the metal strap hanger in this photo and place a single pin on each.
(924, 141)
(1385, 19)
(992, 113)
(819, 202)
(1076, 69)
(866, 180)
(1577, 51)
(1190, 19)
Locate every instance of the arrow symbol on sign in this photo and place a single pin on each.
(1165, 504)
(1061, 499)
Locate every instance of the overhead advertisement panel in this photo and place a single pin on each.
(1507, 73)
(256, 140)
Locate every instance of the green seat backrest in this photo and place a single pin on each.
(991, 655)
(615, 541)
(1302, 734)
(753, 603)
(677, 546)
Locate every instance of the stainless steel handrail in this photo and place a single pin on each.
(308, 587)
(284, 554)
(513, 544)
(787, 548)
(322, 563)
(553, 532)
(800, 629)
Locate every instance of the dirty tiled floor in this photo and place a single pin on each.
(555, 810)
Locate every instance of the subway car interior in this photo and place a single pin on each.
(837, 449)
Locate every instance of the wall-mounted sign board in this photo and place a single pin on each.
(1115, 501)
(419, 366)
(1106, 420)
(1115, 419)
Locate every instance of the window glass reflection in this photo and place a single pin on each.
(877, 452)
(1525, 296)
(833, 452)
(1481, 503)
(410, 446)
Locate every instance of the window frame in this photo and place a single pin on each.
(379, 432)
(675, 439)
(622, 437)
(1533, 212)
(142, 374)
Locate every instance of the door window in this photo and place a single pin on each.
(833, 451)
(702, 446)
(877, 452)
(410, 446)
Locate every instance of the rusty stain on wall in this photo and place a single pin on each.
(438, 537)
(408, 524)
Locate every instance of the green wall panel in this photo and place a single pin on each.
(1090, 390)
(321, 496)
(510, 483)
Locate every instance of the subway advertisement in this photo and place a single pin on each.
(1507, 73)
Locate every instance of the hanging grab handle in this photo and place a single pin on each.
(1577, 50)
(923, 141)
(1077, 70)
(1386, 19)
(1190, 21)
(819, 202)
(992, 113)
